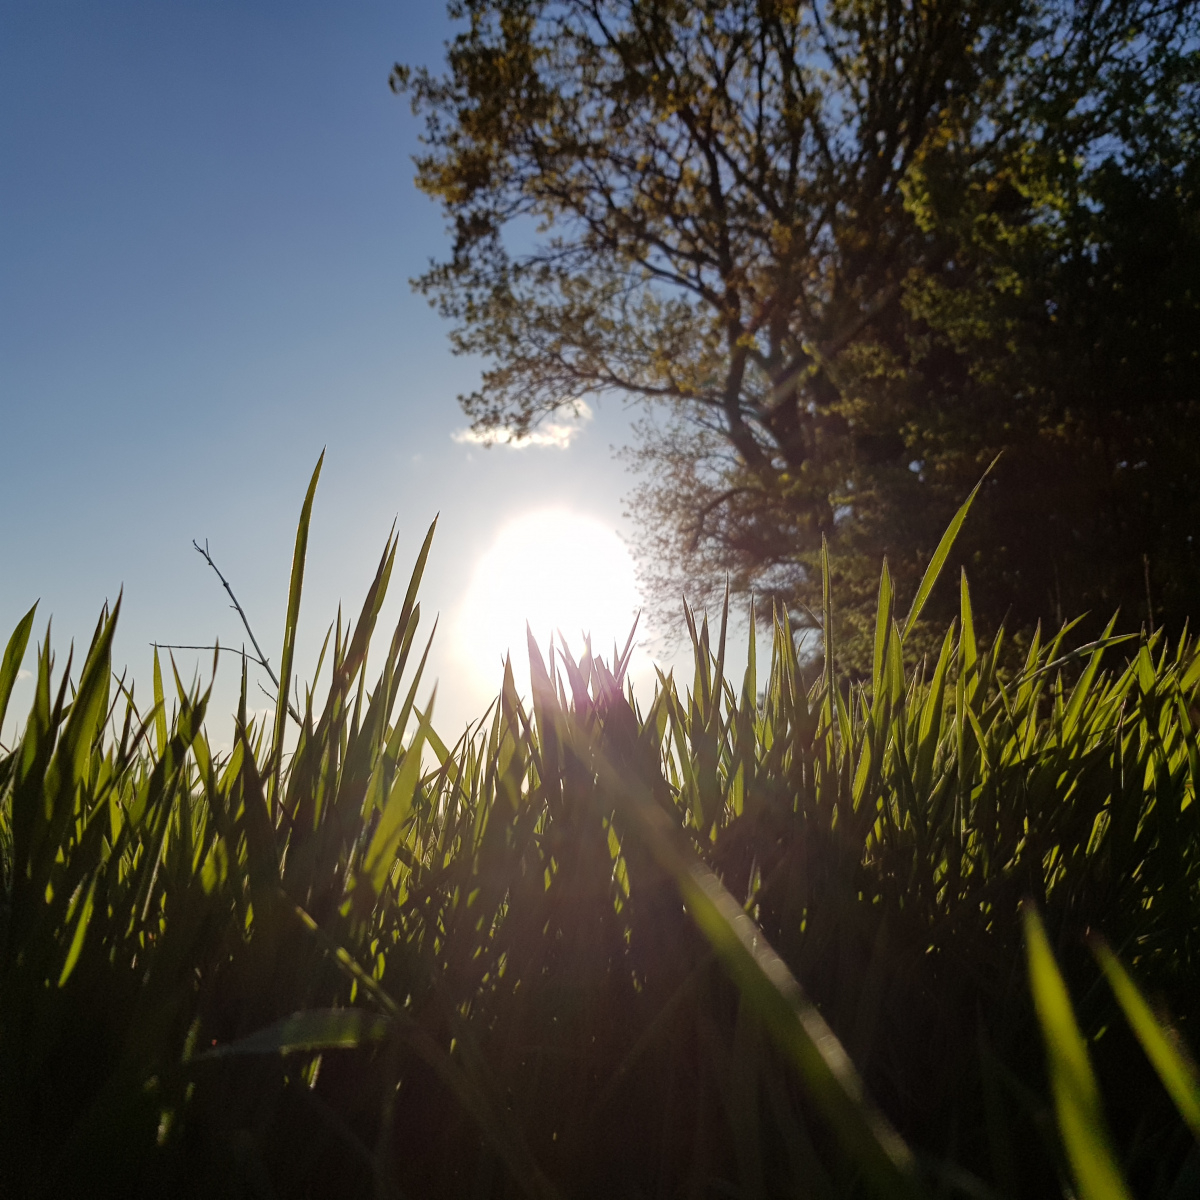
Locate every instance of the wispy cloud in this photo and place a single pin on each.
(557, 433)
(24, 674)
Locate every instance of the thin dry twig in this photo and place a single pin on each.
(241, 612)
(259, 657)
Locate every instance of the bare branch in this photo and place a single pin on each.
(262, 658)
(241, 612)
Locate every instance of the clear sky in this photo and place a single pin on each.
(207, 227)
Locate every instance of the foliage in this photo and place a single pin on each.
(384, 966)
(845, 253)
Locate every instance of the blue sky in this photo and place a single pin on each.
(207, 227)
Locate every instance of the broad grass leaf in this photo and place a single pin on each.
(295, 587)
(82, 917)
(381, 853)
(10, 665)
(883, 621)
(1178, 1075)
(160, 707)
(938, 561)
(1076, 1096)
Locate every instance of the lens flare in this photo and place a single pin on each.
(556, 569)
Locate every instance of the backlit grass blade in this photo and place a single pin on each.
(381, 854)
(414, 582)
(89, 706)
(968, 651)
(160, 707)
(750, 680)
(1178, 1075)
(10, 665)
(883, 620)
(827, 627)
(1076, 1097)
(81, 919)
(289, 629)
(938, 561)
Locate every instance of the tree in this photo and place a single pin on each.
(844, 253)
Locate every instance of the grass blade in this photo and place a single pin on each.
(883, 620)
(1076, 1096)
(289, 629)
(10, 665)
(160, 707)
(77, 938)
(1176, 1072)
(381, 853)
(938, 561)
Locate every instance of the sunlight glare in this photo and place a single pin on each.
(558, 570)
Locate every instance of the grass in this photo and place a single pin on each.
(755, 940)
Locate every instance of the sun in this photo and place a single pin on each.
(556, 569)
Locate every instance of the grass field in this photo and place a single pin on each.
(793, 936)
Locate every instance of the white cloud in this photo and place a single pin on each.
(23, 674)
(559, 433)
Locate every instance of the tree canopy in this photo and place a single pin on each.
(845, 253)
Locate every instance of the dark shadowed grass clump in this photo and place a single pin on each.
(748, 941)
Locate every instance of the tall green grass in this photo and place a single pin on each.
(761, 939)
